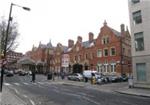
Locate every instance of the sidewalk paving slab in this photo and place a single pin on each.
(8, 98)
(135, 91)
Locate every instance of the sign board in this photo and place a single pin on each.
(65, 60)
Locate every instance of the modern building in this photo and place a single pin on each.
(139, 12)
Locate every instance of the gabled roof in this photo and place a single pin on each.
(69, 49)
(116, 32)
(113, 30)
(42, 46)
(26, 60)
(39, 62)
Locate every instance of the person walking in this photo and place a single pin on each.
(33, 76)
(62, 75)
(53, 76)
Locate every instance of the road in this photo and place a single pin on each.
(44, 92)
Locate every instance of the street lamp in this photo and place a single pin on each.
(6, 39)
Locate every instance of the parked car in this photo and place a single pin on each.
(88, 74)
(114, 78)
(29, 73)
(9, 73)
(102, 79)
(124, 77)
(21, 73)
(75, 77)
(5, 71)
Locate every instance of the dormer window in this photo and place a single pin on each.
(105, 40)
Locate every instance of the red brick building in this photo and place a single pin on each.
(58, 56)
(41, 56)
(12, 57)
(109, 53)
(113, 47)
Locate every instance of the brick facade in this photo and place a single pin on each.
(109, 53)
(104, 53)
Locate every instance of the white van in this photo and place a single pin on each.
(88, 73)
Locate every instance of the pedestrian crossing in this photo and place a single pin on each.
(24, 83)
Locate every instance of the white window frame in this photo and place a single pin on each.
(111, 51)
(136, 16)
(137, 36)
(104, 52)
(99, 53)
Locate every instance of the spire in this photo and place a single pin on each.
(49, 45)
(33, 47)
(39, 44)
(105, 23)
(49, 40)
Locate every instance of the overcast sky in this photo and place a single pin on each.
(60, 20)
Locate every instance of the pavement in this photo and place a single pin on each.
(8, 98)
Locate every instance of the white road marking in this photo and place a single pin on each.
(17, 84)
(26, 83)
(41, 83)
(16, 91)
(32, 102)
(34, 83)
(7, 84)
(25, 96)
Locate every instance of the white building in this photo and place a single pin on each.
(139, 11)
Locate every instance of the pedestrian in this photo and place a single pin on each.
(53, 75)
(62, 75)
(33, 76)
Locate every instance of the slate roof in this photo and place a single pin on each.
(116, 32)
(49, 45)
(65, 48)
(26, 60)
(87, 44)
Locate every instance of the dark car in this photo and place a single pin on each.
(124, 77)
(9, 73)
(114, 78)
(22, 73)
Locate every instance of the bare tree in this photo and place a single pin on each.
(12, 35)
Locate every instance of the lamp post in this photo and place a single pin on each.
(6, 40)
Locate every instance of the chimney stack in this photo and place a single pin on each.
(70, 43)
(79, 39)
(122, 28)
(91, 36)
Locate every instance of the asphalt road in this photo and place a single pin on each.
(43, 92)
